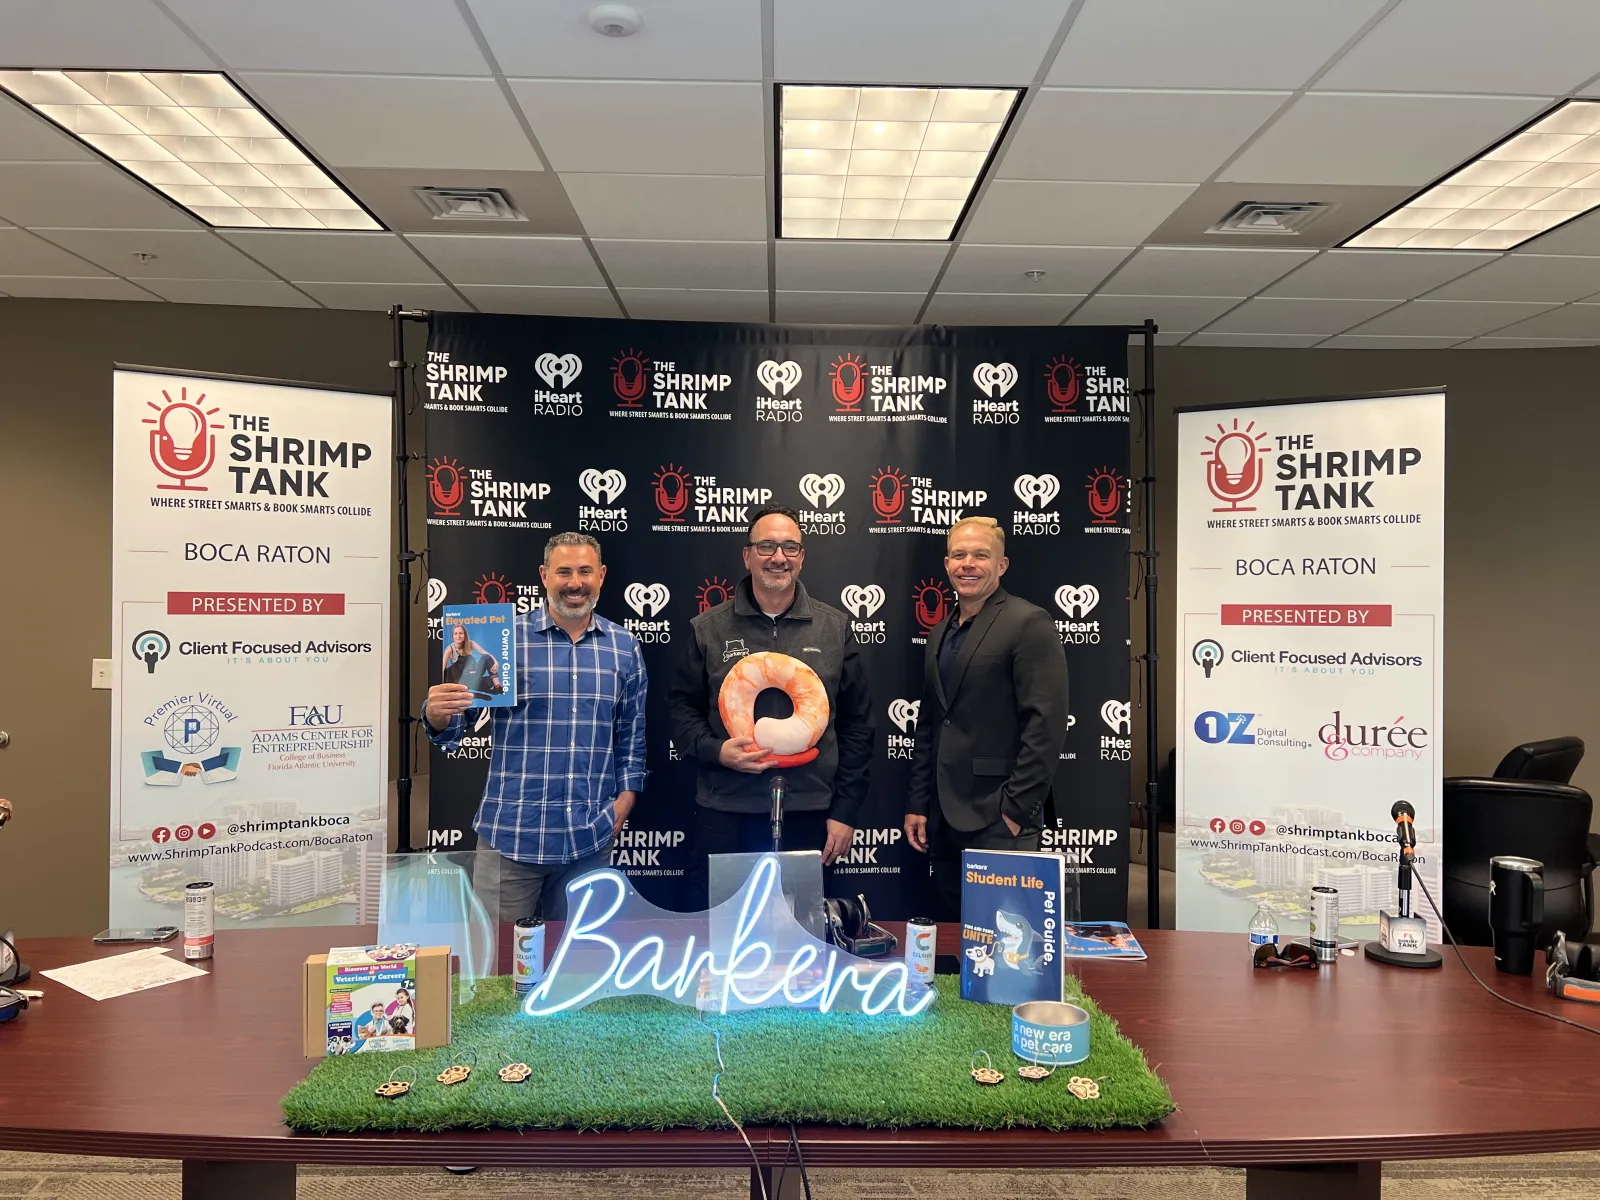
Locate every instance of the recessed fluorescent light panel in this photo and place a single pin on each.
(1540, 177)
(195, 138)
(883, 162)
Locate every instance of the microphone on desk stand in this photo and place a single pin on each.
(779, 790)
(1403, 937)
(17, 970)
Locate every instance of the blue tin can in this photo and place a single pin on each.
(1050, 1033)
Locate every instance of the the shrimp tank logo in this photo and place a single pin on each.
(790, 741)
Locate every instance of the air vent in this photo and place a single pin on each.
(1286, 217)
(469, 204)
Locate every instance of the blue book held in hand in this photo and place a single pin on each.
(480, 652)
(1011, 926)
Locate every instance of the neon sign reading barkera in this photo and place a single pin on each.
(748, 952)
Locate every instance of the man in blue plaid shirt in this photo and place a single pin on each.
(569, 758)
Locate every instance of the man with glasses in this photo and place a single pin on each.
(771, 610)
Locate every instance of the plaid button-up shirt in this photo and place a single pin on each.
(573, 741)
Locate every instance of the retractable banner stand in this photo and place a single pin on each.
(1311, 630)
(660, 439)
(250, 586)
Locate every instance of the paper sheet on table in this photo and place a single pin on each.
(123, 974)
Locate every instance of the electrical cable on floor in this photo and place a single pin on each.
(760, 1178)
(1538, 1012)
(805, 1179)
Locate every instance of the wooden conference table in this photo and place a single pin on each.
(1307, 1079)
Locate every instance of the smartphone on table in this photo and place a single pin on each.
(160, 933)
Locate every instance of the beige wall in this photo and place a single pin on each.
(1523, 508)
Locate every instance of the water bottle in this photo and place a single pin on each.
(1263, 929)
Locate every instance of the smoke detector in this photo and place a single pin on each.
(1285, 217)
(615, 20)
(468, 204)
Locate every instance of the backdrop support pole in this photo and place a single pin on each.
(404, 557)
(1152, 782)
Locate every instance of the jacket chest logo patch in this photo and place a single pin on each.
(810, 650)
(733, 648)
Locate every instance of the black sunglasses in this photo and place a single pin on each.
(1290, 954)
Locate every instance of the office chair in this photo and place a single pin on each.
(1547, 821)
(1550, 761)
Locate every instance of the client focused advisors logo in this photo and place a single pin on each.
(630, 378)
(191, 728)
(182, 446)
(1234, 465)
(995, 380)
(861, 603)
(1207, 653)
(712, 592)
(150, 647)
(1036, 491)
(1077, 601)
(779, 378)
(1107, 494)
(559, 371)
(822, 492)
(930, 606)
(446, 488)
(648, 599)
(1117, 746)
(848, 379)
(603, 487)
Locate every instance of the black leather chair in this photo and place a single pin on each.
(1550, 761)
(1547, 821)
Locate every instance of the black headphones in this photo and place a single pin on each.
(848, 918)
(1571, 976)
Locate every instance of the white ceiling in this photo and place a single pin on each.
(658, 150)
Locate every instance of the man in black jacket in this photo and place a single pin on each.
(992, 720)
(771, 610)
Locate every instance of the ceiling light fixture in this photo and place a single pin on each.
(195, 138)
(1545, 174)
(884, 162)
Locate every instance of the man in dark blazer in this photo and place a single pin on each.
(992, 720)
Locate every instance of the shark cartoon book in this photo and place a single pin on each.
(1011, 919)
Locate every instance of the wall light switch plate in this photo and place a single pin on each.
(101, 678)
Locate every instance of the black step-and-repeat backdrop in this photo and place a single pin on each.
(661, 437)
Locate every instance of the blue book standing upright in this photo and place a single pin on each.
(1011, 926)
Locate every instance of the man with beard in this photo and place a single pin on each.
(569, 758)
(771, 611)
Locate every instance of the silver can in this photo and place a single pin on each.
(922, 939)
(199, 920)
(527, 948)
(1325, 923)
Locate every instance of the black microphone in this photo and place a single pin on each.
(779, 788)
(5, 811)
(1405, 827)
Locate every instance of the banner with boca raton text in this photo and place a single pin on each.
(1310, 683)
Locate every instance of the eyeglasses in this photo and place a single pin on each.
(768, 549)
(1291, 954)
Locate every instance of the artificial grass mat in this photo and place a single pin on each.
(642, 1063)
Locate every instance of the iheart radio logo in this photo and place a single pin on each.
(602, 486)
(1036, 491)
(445, 487)
(1117, 714)
(904, 713)
(630, 378)
(888, 494)
(436, 593)
(779, 378)
(994, 379)
(1062, 384)
(1233, 467)
(1077, 602)
(647, 599)
(862, 602)
(849, 382)
(822, 491)
(559, 371)
(181, 446)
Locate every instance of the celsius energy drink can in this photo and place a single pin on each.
(1325, 923)
(921, 937)
(199, 920)
(527, 948)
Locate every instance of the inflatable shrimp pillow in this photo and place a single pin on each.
(789, 741)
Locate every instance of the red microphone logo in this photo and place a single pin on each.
(672, 492)
(1061, 384)
(445, 487)
(181, 444)
(1233, 472)
(930, 604)
(888, 489)
(849, 382)
(630, 376)
(712, 592)
(492, 588)
(1105, 489)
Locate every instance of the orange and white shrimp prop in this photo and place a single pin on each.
(789, 741)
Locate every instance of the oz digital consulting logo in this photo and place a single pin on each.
(1207, 653)
(1233, 465)
(1218, 728)
(182, 446)
(150, 647)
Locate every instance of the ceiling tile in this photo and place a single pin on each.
(914, 41)
(382, 296)
(1298, 316)
(1574, 321)
(1527, 277)
(1471, 46)
(1335, 137)
(121, 34)
(353, 257)
(391, 195)
(1205, 43)
(849, 308)
(57, 288)
(90, 195)
(1169, 136)
(1201, 271)
(542, 301)
(398, 121)
(1071, 214)
(477, 258)
(1360, 341)
(393, 37)
(1004, 308)
(669, 207)
(1283, 340)
(869, 266)
(724, 266)
(681, 39)
(1349, 209)
(21, 253)
(26, 137)
(1581, 236)
(694, 304)
(179, 254)
(1446, 318)
(1375, 274)
(1178, 313)
(270, 293)
(1512, 343)
(644, 127)
(1068, 270)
